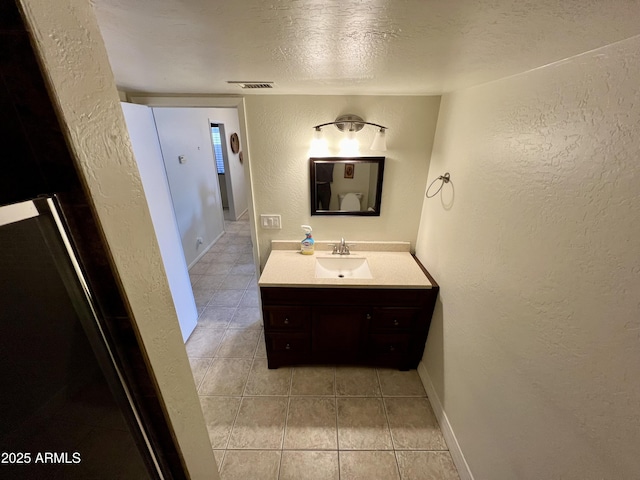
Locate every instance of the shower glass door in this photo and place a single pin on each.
(65, 412)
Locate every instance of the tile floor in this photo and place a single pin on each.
(300, 423)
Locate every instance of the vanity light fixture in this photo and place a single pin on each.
(349, 146)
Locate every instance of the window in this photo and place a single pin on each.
(217, 147)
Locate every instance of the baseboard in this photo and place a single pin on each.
(238, 217)
(449, 436)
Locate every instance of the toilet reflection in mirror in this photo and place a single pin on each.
(346, 185)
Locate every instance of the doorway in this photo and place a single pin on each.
(222, 168)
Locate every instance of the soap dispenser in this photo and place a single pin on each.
(307, 244)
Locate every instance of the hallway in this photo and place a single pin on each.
(305, 422)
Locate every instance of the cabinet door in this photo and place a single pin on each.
(390, 350)
(339, 330)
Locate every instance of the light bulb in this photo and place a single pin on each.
(349, 146)
(319, 146)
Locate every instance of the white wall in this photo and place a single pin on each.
(534, 350)
(280, 136)
(236, 174)
(75, 63)
(146, 148)
(194, 183)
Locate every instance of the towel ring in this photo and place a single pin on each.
(445, 179)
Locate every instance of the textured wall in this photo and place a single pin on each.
(75, 62)
(535, 348)
(279, 139)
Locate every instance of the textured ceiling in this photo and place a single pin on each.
(405, 47)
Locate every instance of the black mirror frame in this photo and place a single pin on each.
(313, 161)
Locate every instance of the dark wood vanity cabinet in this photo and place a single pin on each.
(369, 326)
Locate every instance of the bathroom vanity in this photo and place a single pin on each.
(378, 317)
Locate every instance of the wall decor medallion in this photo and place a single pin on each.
(235, 143)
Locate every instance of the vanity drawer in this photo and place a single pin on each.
(397, 319)
(389, 344)
(288, 342)
(287, 318)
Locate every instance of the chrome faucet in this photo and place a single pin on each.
(341, 249)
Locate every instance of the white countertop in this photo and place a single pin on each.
(390, 269)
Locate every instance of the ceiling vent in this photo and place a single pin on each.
(252, 84)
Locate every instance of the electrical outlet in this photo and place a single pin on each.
(270, 221)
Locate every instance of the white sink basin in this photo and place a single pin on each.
(342, 267)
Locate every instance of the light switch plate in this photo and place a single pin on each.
(270, 221)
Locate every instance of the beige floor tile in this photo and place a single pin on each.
(199, 268)
(203, 295)
(199, 367)
(216, 316)
(378, 465)
(263, 381)
(218, 268)
(357, 381)
(416, 465)
(219, 456)
(362, 424)
(235, 282)
(218, 249)
(251, 298)
(246, 248)
(226, 376)
(245, 258)
(253, 284)
(218, 257)
(238, 343)
(250, 465)
(313, 380)
(311, 424)
(232, 227)
(261, 350)
(194, 278)
(225, 239)
(309, 465)
(247, 317)
(260, 423)
(395, 383)
(244, 269)
(226, 298)
(219, 415)
(413, 424)
(210, 281)
(203, 342)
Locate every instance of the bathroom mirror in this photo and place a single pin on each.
(346, 185)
